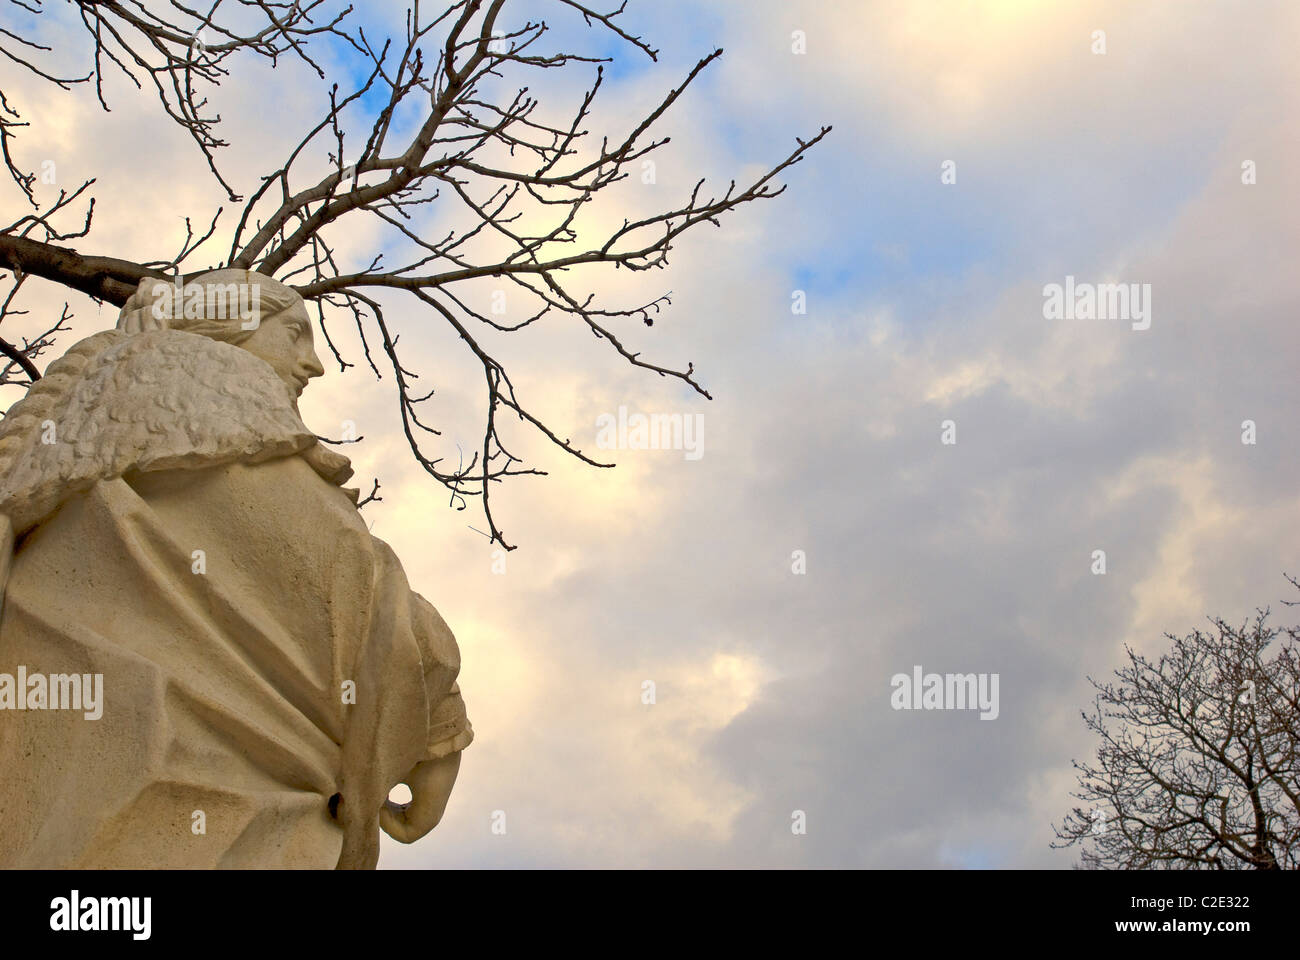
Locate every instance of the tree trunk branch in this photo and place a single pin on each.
(104, 278)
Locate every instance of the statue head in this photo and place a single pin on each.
(239, 307)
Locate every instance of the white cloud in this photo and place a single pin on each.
(824, 434)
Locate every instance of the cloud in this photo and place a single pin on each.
(924, 305)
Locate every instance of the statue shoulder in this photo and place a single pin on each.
(158, 400)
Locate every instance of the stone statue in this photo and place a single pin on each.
(206, 660)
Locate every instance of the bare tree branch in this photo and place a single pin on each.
(1198, 764)
(484, 156)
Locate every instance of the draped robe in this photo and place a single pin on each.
(268, 674)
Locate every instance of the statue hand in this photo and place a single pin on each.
(430, 782)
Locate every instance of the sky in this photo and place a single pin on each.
(827, 538)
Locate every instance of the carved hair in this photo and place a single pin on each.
(157, 400)
(159, 392)
(153, 305)
(138, 316)
(26, 416)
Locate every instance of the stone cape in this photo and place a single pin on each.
(226, 737)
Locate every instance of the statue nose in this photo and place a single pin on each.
(313, 367)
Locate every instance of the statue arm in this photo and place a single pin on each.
(430, 782)
(431, 779)
(448, 731)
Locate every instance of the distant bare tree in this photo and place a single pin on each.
(1198, 765)
(490, 154)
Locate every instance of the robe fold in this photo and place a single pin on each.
(268, 674)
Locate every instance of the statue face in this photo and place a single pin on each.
(285, 342)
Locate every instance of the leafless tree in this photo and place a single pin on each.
(483, 145)
(1198, 765)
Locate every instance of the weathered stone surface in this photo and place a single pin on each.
(170, 526)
